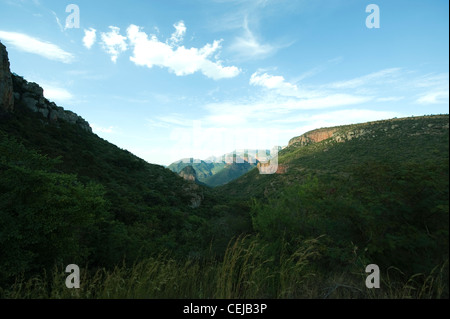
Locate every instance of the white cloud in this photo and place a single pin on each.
(149, 51)
(178, 35)
(99, 129)
(29, 44)
(57, 94)
(274, 82)
(114, 43)
(90, 36)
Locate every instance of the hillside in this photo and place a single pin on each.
(131, 209)
(338, 150)
(378, 191)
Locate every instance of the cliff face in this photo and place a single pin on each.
(315, 136)
(6, 86)
(189, 174)
(16, 92)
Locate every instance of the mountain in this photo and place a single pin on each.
(338, 150)
(203, 169)
(217, 171)
(229, 173)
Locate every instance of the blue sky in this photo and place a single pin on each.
(173, 79)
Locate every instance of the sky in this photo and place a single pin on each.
(168, 80)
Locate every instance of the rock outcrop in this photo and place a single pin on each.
(16, 92)
(6, 86)
(31, 96)
(192, 189)
(315, 136)
(189, 174)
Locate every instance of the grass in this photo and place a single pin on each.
(244, 273)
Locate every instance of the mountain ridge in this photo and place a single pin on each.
(321, 142)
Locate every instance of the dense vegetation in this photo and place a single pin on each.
(55, 178)
(67, 196)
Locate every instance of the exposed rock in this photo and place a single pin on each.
(15, 91)
(44, 112)
(189, 174)
(30, 103)
(282, 168)
(192, 188)
(315, 136)
(34, 89)
(6, 85)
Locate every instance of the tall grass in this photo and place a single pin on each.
(244, 272)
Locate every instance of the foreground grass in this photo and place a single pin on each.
(244, 273)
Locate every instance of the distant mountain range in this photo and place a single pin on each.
(218, 171)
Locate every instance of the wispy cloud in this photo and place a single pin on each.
(26, 43)
(433, 97)
(248, 46)
(113, 43)
(170, 120)
(149, 51)
(390, 99)
(90, 36)
(61, 28)
(382, 76)
(434, 87)
(341, 117)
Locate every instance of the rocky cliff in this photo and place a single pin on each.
(6, 86)
(338, 134)
(16, 92)
(315, 136)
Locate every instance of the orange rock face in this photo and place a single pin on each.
(315, 136)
